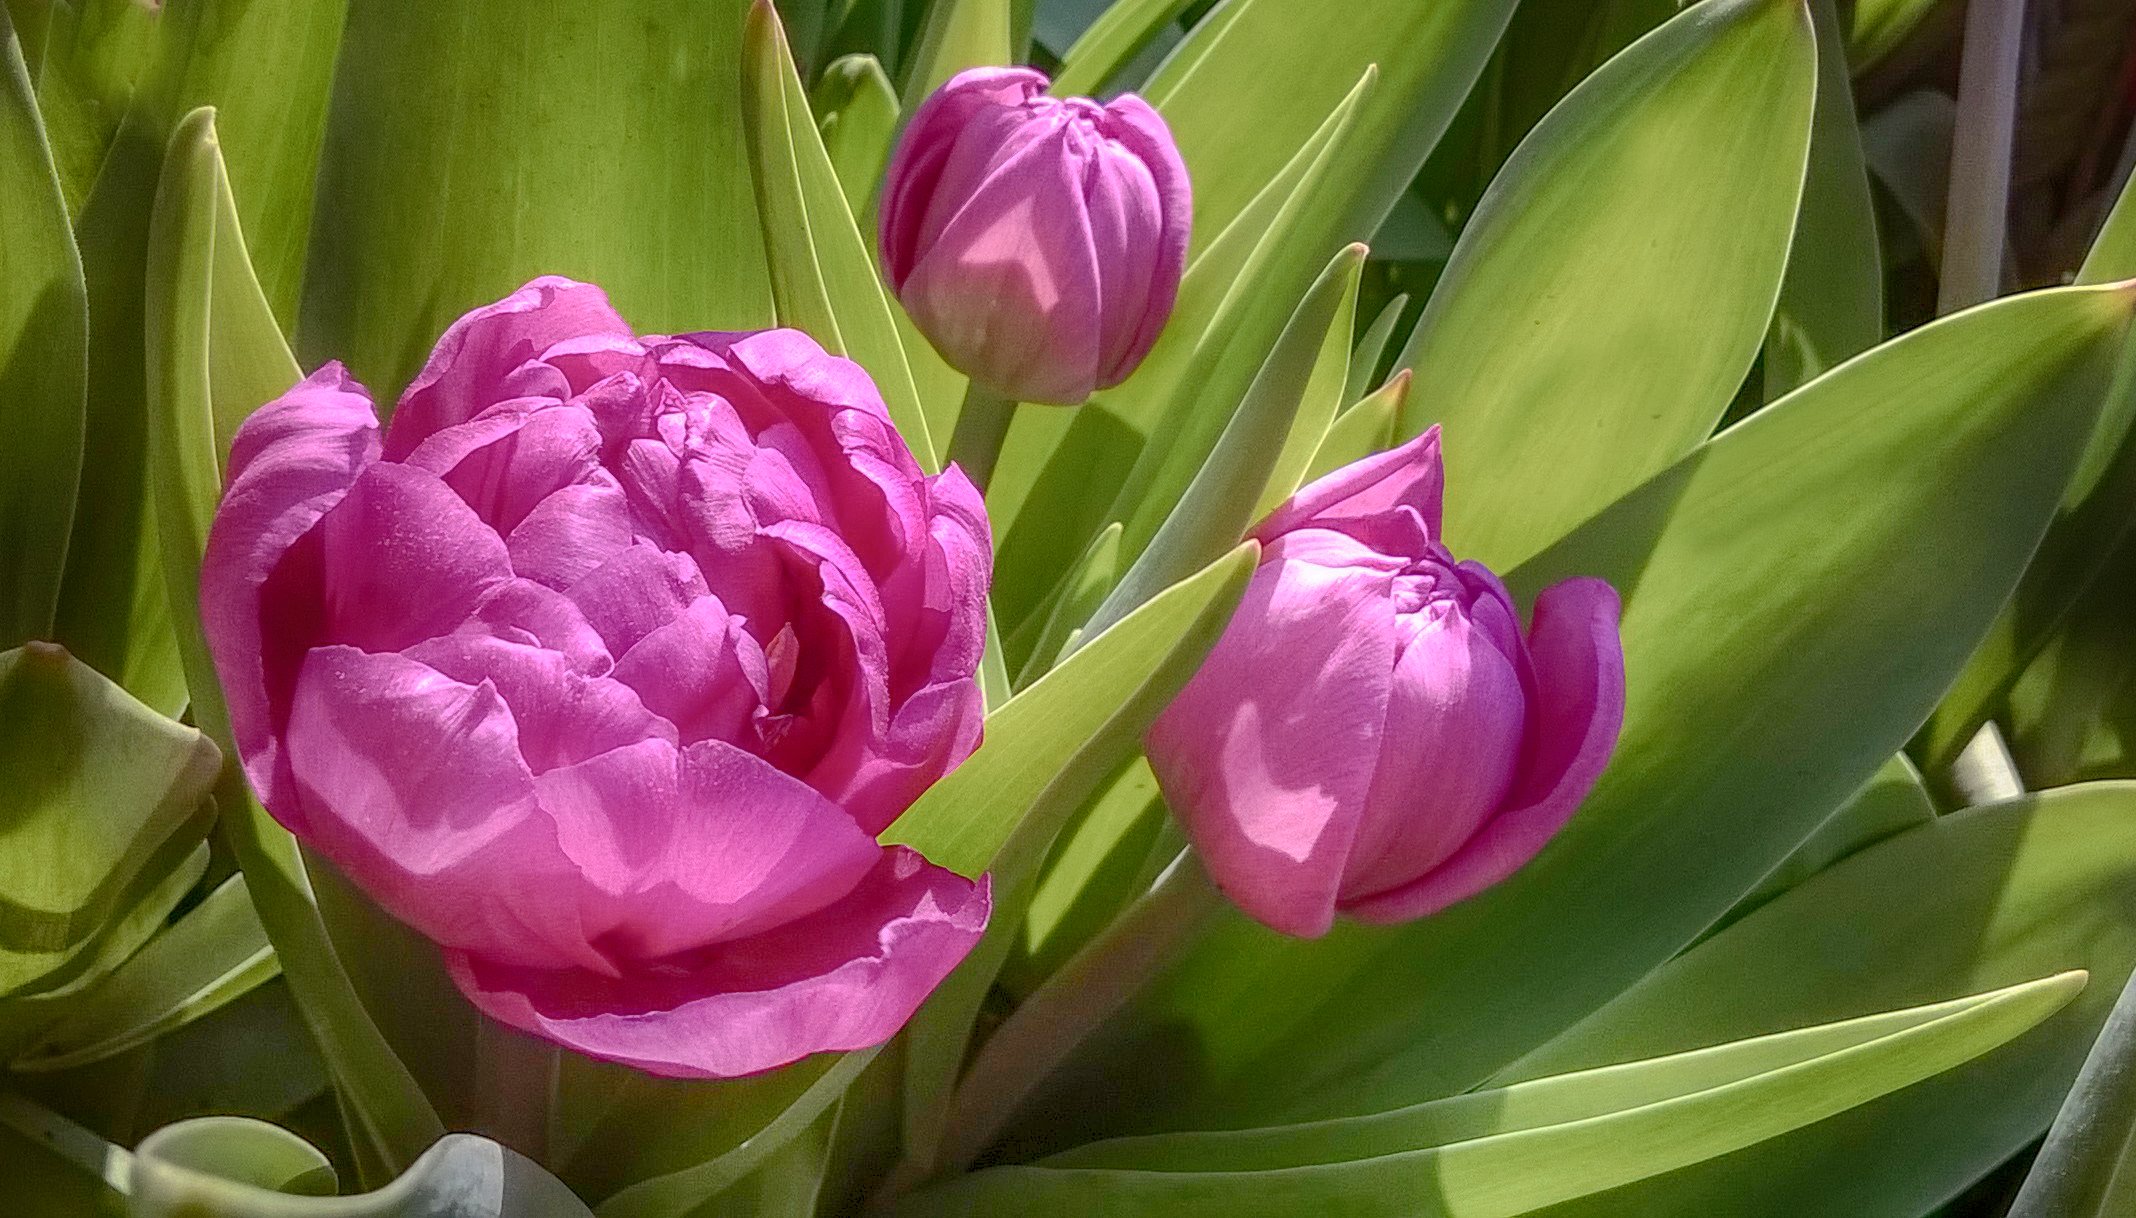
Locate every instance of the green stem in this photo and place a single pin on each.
(981, 427)
(1976, 219)
(1073, 1003)
(515, 1087)
(78, 1146)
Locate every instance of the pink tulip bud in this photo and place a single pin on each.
(604, 667)
(1037, 242)
(1373, 733)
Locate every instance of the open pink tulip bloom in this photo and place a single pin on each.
(604, 666)
(1036, 241)
(1373, 734)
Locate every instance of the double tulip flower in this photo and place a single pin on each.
(606, 663)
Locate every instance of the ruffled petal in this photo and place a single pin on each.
(475, 362)
(701, 672)
(405, 559)
(1142, 131)
(412, 784)
(570, 534)
(847, 977)
(290, 462)
(1572, 729)
(636, 593)
(563, 715)
(1265, 755)
(678, 849)
(1361, 494)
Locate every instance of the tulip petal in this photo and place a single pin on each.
(1364, 492)
(1266, 754)
(1573, 725)
(290, 462)
(412, 784)
(563, 715)
(522, 611)
(473, 364)
(1452, 743)
(637, 592)
(405, 559)
(1152, 156)
(570, 534)
(702, 673)
(925, 147)
(678, 849)
(847, 977)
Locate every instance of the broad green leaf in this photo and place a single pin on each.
(1197, 506)
(212, 956)
(231, 1167)
(1982, 898)
(471, 146)
(96, 786)
(959, 34)
(1363, 429)
(1615, 282)
(1831, 304)
(1371, 348)
(213, 355)
(1248, 86)
(1107, 44)
(1493, 1155)
(2067, 716)
(2087, 1166)
(1879, 26)
(86, 57)
(790, 1181)
(113, 613)
(822, 275)
(682, 1192)
(856, 110)
(1809, 579)
(44, 334)
(1044, 754)
(268, 70)
(1893, 802)
(2080, 548)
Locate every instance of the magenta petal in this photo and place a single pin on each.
(701, 672)
(678, 849)
(412, 784)
(925, 146)
(1142, 131)
(570, 534)
(291, 461)
(522, 611)
(636, 593)
(1573, 725)
(1265, 755)
(405, 560)
(472, 364)
(847, 977)
(564, 716)
(1410, 476)
(1448, 756)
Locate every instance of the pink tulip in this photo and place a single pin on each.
(1037, 242)
(604, 666)
(1372, 733)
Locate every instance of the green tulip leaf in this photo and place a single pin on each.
(1615, 282)
(470, 147)
(1371, 349)
(1495, 1154)
(1108, 44)
(822, 274)
(857, 112)
(44, 336)
(214, 955)
(1981, 898)
(2087, 1166)
(959, 34)
(214, 355)
(1363, 429)
(96, 786)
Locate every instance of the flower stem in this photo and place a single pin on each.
(981, 427)
(515, 1087)
(1074, 1002)
(1976, 219)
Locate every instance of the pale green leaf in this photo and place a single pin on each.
(1615, 282)
(1109, 43)
(44, 335)
(473, 146)
(822, 276)
(959, 34)
(857, 112)
(1363, 429)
